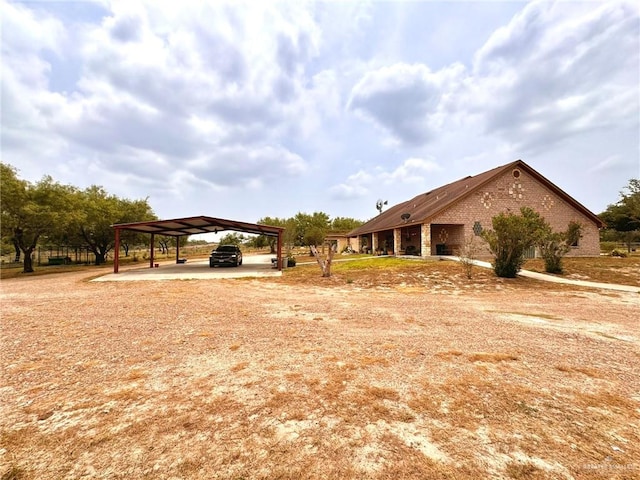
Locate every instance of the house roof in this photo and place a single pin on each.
(425, 206)
(194, 225)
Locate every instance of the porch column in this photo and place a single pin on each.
(425, 240)
(374, 243)
(397, 241)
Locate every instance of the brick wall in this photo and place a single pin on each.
(512, 191)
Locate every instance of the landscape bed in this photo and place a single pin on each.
(408, 371)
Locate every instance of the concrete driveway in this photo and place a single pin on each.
(252, 266)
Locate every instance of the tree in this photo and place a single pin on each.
(274, 222)
(623, 217)
(232, 239)
(511, 237)
(135, 211)
(98, 211)
(30, 211)
(311, 229)
(344, 224)
(325, 263)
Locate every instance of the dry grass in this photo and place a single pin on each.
(597, 269)
(445, 275)
(408, 372)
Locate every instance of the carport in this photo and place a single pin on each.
(180, 227)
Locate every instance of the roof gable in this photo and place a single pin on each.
(427, 205)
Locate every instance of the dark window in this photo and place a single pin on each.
(477, 229)
(227, 248)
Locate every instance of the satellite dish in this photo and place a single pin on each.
(380, 203)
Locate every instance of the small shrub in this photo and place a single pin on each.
(555, 245)
(607, 247)
(618, 253)
(468, 254)
(291, 262)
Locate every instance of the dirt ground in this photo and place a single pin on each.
(273, 379)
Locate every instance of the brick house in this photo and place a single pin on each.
(438, 222)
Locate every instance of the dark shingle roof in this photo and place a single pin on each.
(426, 205)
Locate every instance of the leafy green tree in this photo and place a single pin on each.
(311, 229)
(269, 240)
(135, 211)
(511, 237)
(344, 224)
(30, 211)
(623, 218)
(257, 241)
(234, 238)
(98, 211)
(307, 229)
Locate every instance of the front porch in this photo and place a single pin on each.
(415, 240)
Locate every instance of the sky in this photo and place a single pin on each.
(251, 109)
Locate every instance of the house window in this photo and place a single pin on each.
(575, 242)
(477, 229)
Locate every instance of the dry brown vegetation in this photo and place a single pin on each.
(408, 371)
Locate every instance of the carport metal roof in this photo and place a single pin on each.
(194, 225)
(178, 227)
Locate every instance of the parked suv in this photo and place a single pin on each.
(226, 255)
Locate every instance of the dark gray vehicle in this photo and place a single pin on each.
(226, 255)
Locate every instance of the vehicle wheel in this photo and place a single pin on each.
(240, 261)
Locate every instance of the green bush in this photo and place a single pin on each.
(510, 238)
(608, 247)
(291, 262)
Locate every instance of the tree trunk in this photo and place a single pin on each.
(28, 262)
(17, 248)
(125, 247)
(99, 252)
(325, 264)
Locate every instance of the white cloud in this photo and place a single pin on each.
(552, 74)
(150, 71)
(411, 171)
(176, 100)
